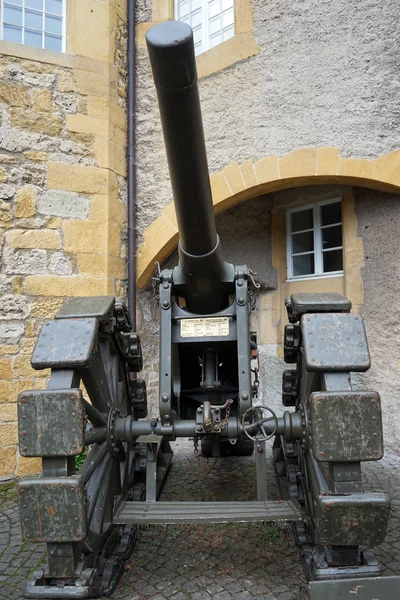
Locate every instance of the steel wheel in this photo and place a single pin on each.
(108, 469)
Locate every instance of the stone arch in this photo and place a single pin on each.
(238, 183)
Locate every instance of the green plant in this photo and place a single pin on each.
(175, 533)
(271, 535)
(80, 458)
(7, 490)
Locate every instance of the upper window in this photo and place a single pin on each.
(314, 240)
(38, 23)
(212, 21)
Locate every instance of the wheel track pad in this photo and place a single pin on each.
(65, 343)
(52, 509)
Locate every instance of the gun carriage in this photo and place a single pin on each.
(207, 392)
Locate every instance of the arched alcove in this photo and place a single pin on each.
(238, 183)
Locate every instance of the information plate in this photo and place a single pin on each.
(210, 327)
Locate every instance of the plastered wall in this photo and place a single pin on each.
(378, 217)
(326, 74)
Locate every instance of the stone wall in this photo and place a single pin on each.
(326, 75)
(378, 217)
(62, 196)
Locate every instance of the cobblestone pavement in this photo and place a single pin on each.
(220, 562)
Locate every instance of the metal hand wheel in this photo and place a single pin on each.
(260, 420)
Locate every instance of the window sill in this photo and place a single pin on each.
(316, 277)
(50, 57)
(237, 48)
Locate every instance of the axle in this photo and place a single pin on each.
(290, 426)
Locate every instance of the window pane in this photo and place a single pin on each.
(196, 19)
(52, 42)
(214, 8)
(12, 34)
(302, 219)
(38, 4)
(13, 16)
(33, 38)
(197, 37)
(54, 6)
(196, 4)
(227, 4)
(215, 40)
(183, 9)
(34, 20)
(331, 213)
(228, 32)
(16, 2)
(303, 265)
(333, 261)
(215, 25)
(331, 237)
(303, 242)
(227, 18)
(53, 25)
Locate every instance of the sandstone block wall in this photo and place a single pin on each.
(62, 193)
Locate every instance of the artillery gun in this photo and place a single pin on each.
(207, 392)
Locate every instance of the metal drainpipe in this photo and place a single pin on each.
(131, 165)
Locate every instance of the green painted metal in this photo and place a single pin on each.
(43, 412)
(162, 513)
(65, 343)
(367, 588)
(99, 307)
(334, 342)
(300, 304)
(52, 509)
(346, 427)
(352, 519)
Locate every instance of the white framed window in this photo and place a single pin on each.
(314, 240)
(212, 21)
(38, 23)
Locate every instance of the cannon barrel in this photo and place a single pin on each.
(171, 51)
